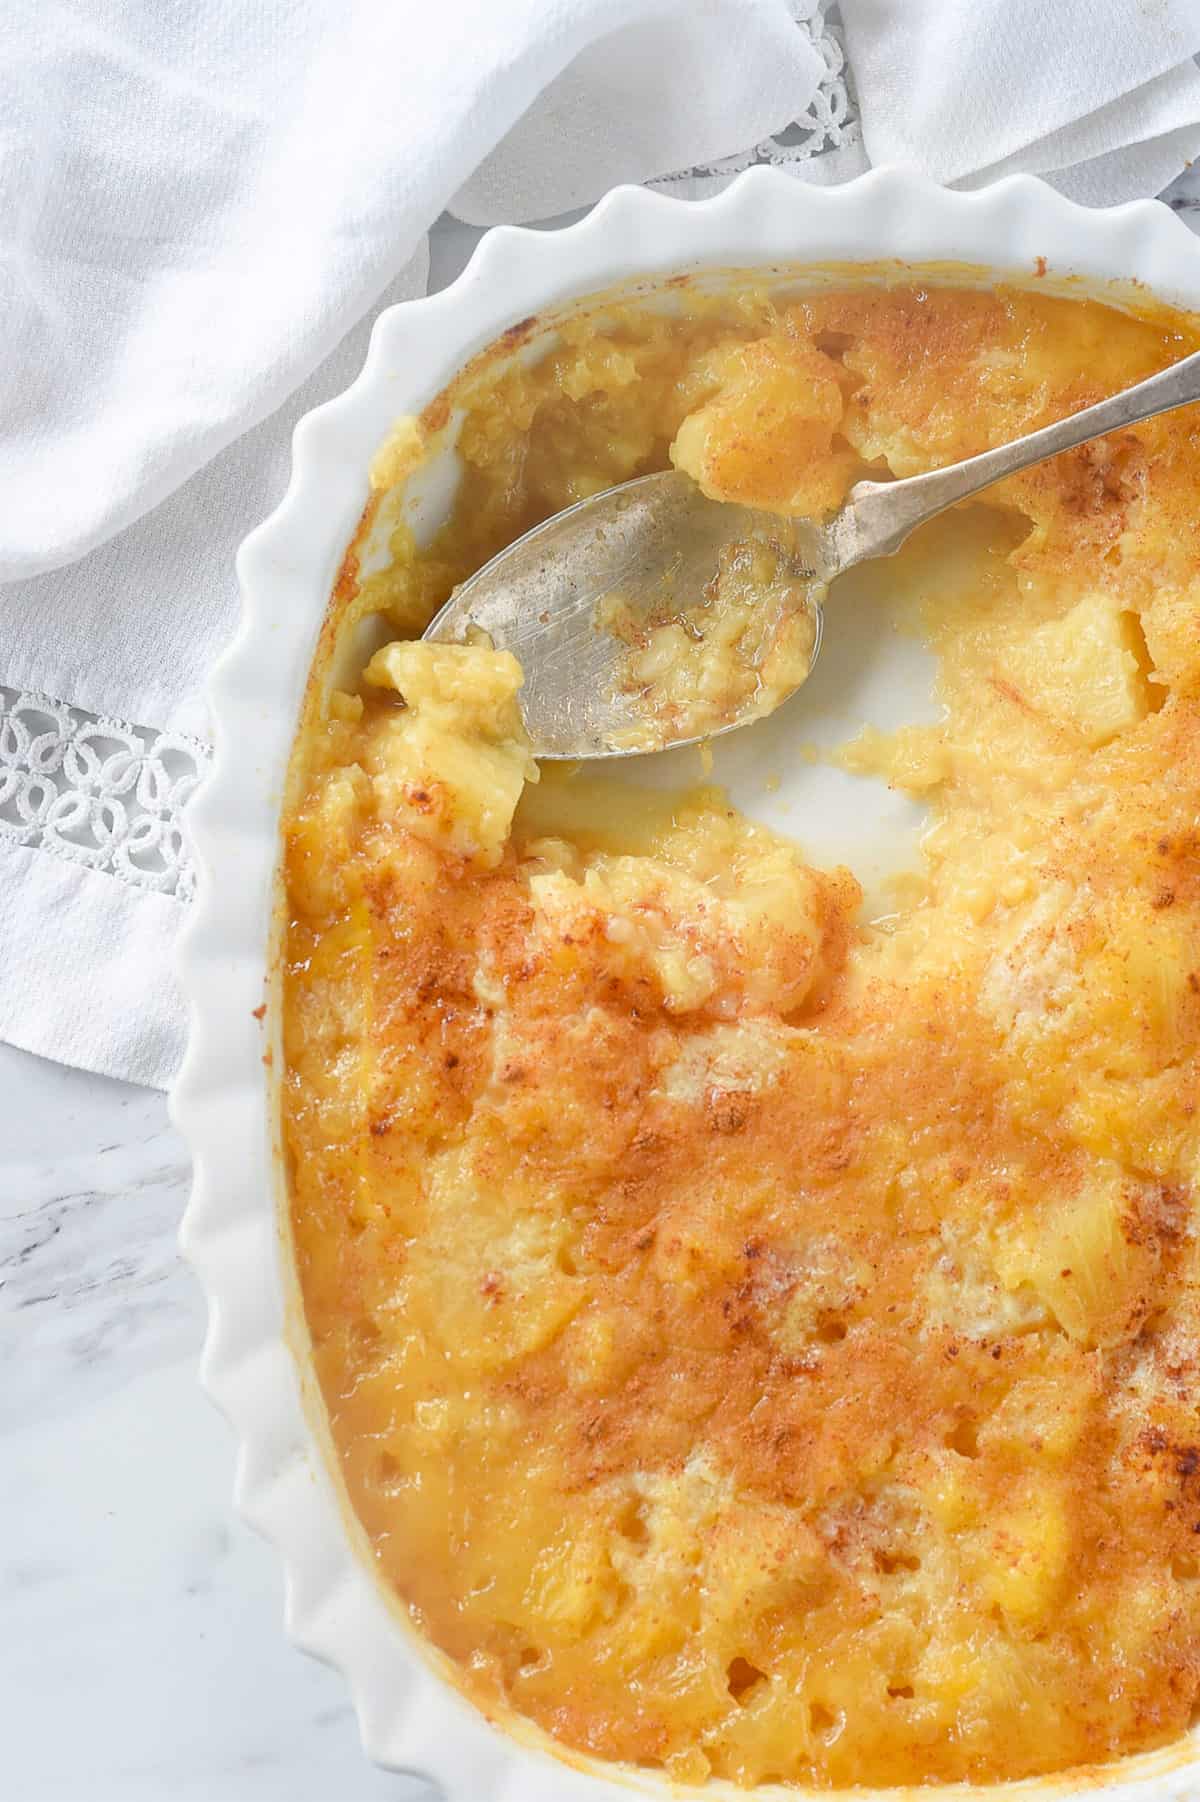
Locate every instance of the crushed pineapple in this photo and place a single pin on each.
(453, 760)
(759, 1346)
(1081, 671)
(697, 663)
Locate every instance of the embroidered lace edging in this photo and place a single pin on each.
(828, 122)
(96, 791)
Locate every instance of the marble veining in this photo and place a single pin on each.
(87, 1244)
(143, 1657)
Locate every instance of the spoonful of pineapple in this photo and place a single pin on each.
(649, 616)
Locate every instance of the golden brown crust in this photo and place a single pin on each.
(756, 1343)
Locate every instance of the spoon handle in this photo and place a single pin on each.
(880, 515)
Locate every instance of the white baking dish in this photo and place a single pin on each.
(411, 1716)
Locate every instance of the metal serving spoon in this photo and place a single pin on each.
(656, 543)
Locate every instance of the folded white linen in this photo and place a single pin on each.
(200, 201)
(979, 88)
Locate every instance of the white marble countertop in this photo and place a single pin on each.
(142, 1657)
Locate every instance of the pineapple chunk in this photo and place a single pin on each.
(453, 763)
(1046, 1412)
(703, 948)
(322, 838)
(1030, 1545)
(573, 1583)
(1082, 670)
(952, 1496)
(766, 438)
(495, 1272)
(1169, 622)
(759, 1557)
(1081, 1262)
(1144, 970)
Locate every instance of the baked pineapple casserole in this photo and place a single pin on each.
(761, 1340)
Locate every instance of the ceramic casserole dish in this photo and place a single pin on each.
(225, 1101)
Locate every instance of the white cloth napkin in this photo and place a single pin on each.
(1100, 96)
(200, 208)
(219, 192)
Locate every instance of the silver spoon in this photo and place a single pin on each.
(656, 543)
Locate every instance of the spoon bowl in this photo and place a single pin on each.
(653, 546)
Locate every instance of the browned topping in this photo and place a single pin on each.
(758, 1346)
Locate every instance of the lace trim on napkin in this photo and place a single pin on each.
(99, 792)
(827, 123)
